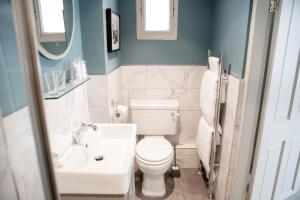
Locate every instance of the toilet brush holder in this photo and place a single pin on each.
(175, 169)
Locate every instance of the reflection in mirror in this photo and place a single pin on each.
(54, 20)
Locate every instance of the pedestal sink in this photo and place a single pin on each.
(103, 165)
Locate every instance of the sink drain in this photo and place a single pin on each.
(99, 158)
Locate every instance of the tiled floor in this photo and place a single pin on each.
(190, 186)
(295, 196)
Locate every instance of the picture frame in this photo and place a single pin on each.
(113, 30)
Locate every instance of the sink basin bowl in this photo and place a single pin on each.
(105, 166)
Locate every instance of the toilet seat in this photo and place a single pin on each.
(141, 160)
(154, 151)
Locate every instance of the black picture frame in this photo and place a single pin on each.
(113, 31)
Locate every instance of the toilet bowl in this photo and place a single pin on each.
(154, 154)
(154, 157)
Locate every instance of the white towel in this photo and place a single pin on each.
(209, 96)
(204, 143)
(214, 64)
(59, 144)
(61, 160)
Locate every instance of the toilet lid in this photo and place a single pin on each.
(154, 149)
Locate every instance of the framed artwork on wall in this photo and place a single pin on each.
(113, 31)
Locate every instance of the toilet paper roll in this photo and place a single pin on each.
(120, 114)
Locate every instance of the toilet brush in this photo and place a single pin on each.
(175, 169)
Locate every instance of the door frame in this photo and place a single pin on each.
(259, 41)
(25, 28)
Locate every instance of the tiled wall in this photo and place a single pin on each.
(17, 149)
(158, 82)
(65, 114)
(102, 90)
(152, 82)
(149, 82)
(167, 82)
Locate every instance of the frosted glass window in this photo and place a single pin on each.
(52, 18)
(157, 15)
(157, 19)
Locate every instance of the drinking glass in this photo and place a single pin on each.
(61, 77)
(51, 81)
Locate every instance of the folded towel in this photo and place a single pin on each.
(59, 144)
(209, 96)
(214, 64)
(61, 160)
(204, 143)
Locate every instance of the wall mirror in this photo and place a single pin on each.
(55, 27)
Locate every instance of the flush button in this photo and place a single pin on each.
(99, 157)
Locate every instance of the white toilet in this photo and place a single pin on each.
(154, 154)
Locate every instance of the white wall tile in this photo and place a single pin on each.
(99, 115)
(134, 77)
(188, 98)
(165, 76)
(193, 76)
(147, 93)
(166, 82)
(19, 137)
(56, 111)
(7, 188)
(114, 85)
(186, 152)
(190, 120)
(125, 97)
(188, 137)
(22, 155)
(97, 91)
(30, 185)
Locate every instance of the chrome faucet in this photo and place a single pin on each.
(83, 127)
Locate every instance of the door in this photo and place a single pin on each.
(22, 171)
(277, 174)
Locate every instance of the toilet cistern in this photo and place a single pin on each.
(154, 154)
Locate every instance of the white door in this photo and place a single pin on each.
(277, 174)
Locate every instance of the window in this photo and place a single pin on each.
(50, 20)
(157, 19)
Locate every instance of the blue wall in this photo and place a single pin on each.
(93, 23)
(91, 16)
(12, 91)
(75, 51)
(230, 32)
(194, 36)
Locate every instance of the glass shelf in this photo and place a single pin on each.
(69, 87)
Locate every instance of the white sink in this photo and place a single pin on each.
(82, 174)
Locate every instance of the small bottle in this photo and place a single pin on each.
(84, 70)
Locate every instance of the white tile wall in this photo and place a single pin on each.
(22, 157)
(65, 114)
(165, 76)
(169, 82)
(166, 82)
(134, 77)
(97, 91)
(152, 82)
(98, 98)
(102, 91)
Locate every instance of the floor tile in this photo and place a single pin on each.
(190, 186)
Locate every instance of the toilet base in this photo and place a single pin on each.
(153, 185)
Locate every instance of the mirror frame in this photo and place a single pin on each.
(51, 56)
